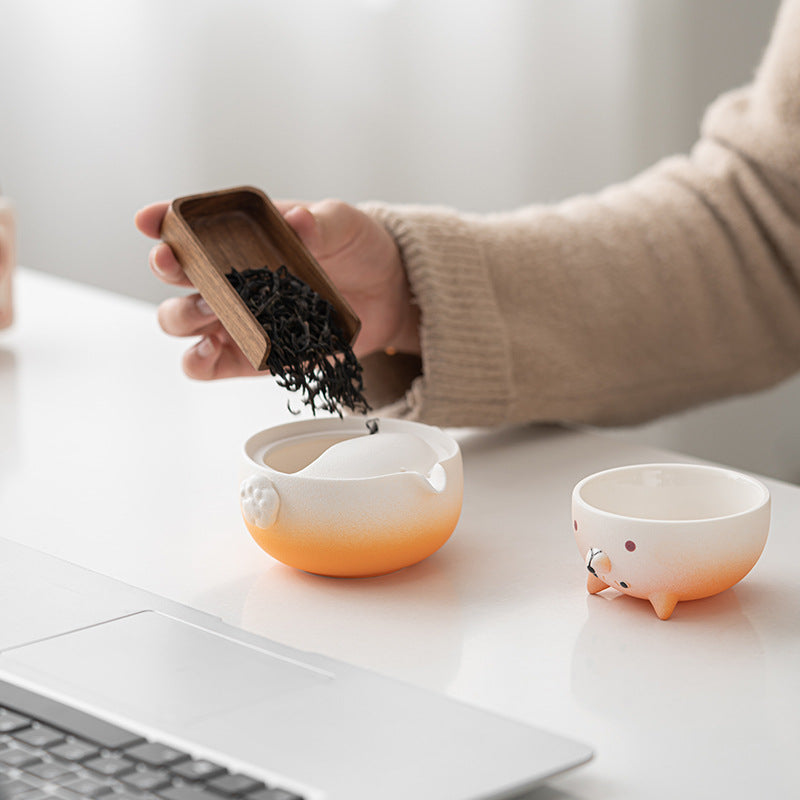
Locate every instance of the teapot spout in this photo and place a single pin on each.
(435, 480)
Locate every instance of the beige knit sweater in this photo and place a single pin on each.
(673, 289)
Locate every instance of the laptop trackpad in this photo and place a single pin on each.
(153, 666)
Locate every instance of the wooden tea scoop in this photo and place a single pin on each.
(238, 229)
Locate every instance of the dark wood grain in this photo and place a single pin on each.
(237, 229)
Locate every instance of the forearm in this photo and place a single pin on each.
(673, 289)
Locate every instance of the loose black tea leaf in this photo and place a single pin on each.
(309, 352)
(372, 425)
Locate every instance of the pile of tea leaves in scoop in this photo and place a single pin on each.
(309, 352)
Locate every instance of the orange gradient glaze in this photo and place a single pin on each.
(356, 551)
(693, 584)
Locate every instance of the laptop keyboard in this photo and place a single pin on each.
(50, 751)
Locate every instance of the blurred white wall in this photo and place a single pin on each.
(479, 104)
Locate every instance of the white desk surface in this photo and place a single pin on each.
(112, 459)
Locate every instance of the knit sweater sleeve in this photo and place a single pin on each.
(673, 289)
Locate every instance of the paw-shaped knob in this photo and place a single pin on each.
(259, 501)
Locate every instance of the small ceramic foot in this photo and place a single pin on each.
(594, 584)
(664, 604)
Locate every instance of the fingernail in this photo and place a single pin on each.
(153, 265)
(204, 308)
(205, 347)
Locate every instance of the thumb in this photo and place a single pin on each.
(326, 228)
(308, 227)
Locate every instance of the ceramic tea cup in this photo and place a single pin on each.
(328, 496)
(669, 532)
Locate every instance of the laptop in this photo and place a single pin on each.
(108, 688)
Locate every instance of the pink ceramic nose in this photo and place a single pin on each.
(597, 561)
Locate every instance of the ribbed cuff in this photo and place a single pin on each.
(466, 371)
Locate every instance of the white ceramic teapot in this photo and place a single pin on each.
(328, 496)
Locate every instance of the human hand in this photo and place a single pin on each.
(359, 255)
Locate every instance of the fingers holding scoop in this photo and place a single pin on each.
(215, 356)
(187, 316)
(162, 260)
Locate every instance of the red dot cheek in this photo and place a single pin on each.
(576, 524)
(630, 546)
